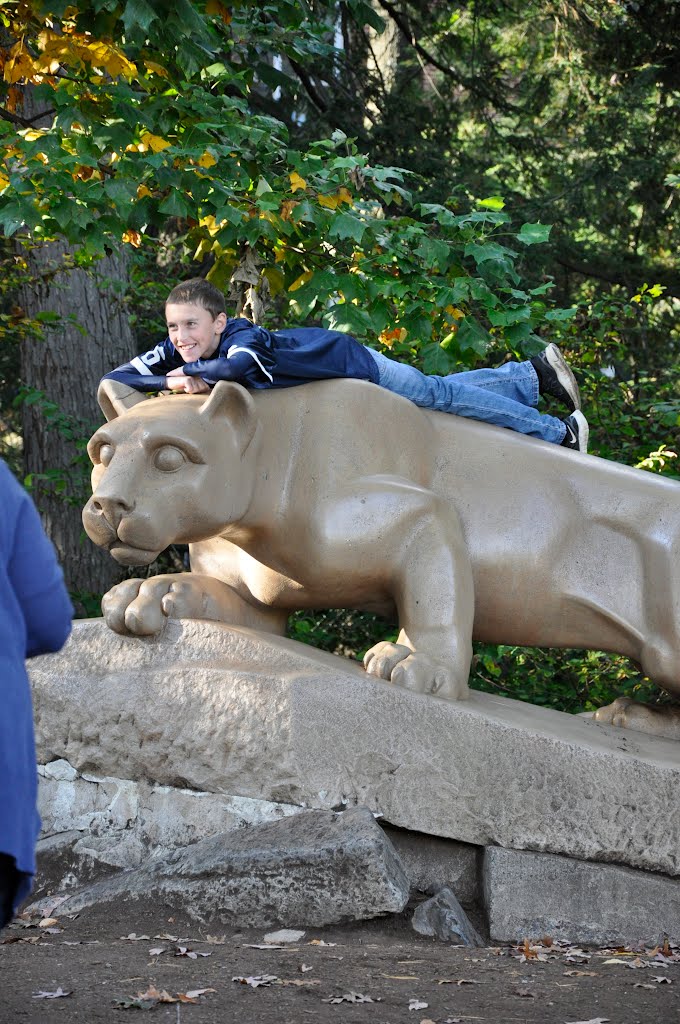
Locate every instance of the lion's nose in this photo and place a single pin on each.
(113, 509)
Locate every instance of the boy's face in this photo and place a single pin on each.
(192, 329)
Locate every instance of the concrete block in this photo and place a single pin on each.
(227, 710)
(312, 869)
(529, 895)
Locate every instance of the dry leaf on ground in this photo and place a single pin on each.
(417, 1004)
(351, 997)
(256, 980)
(59, 994)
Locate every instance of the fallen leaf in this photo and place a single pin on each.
(285, 935)
(427, 1020)
(352, 997)
(256, 980)
(640, 984)
(196, 992)
(457, 981)
(133, 937)
(661, 978)
(304, 968)
(216, 940)
(59, 994)
(417, 1004)
(157, 951)
(260, 945)
(320, 942)
(580, 974)
(400, 977)
(48, 922)
(593, 1020)
(298, 981)
(524, 993)
(164, 937)
(160, 995)
(190, 953)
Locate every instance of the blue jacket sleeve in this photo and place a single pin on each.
(146, 372)
(245, 355)
(38, 583)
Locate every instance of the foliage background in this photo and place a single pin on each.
(460, 182)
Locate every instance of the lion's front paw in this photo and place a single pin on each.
(414, 670)
(141, 607)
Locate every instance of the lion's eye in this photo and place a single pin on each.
(105, 453)
(169, 459)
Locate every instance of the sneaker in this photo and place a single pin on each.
(576, 436)
(555, 377)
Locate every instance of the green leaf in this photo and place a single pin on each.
(434, 254)
(347, 226)
(492, 203)
(175, 205)
(531, 234)
(138, 13)
(472, 335)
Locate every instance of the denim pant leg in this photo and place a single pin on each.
(505, 397)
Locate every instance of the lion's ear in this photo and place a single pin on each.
(116, 398)
(234, 402)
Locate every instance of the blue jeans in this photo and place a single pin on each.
(506, 397)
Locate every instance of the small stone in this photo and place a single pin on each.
(61, 770)
(284, 935)
(442, 916)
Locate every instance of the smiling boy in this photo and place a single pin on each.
(204, 346)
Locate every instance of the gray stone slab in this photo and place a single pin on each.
(227, 710)
(312, 869)
(529, 895)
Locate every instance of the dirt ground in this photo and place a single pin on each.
(134, 962)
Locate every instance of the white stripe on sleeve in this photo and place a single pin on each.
(141, 367)
(236, 348)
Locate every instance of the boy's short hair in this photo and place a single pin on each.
(201, 293)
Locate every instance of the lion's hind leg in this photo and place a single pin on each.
(662, 720)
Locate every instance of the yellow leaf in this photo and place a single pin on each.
(207, 160)
(157, 69)
(133, 237)
(302, 279)
(4, 182)
(287, 208)
(154, 142)
(19, 64)
(296, 182)
(31, 134)
(388, 338)
(454, 313)
(330, 202)
(215, 7)
(345, 196)
(143, 191)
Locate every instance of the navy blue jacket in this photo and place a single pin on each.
(257, 358)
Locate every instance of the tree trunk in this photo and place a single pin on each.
(67, 364)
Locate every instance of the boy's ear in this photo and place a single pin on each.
(236, 404)
(116, 398)
(220, 322)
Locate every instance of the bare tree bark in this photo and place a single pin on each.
(67, 364)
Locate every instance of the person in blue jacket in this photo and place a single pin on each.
(35, 618)
(204, 346)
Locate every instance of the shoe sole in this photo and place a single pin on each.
(566, 378)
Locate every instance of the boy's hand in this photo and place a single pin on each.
(178, 381)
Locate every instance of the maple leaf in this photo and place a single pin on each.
(59, 994)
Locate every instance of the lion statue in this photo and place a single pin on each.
(341, 494)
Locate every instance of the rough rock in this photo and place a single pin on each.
(443, 917)
(227, 710)
(434, 864)
(528, 895)
(312, 869)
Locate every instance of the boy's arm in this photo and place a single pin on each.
(146, 372)
(247, 365)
